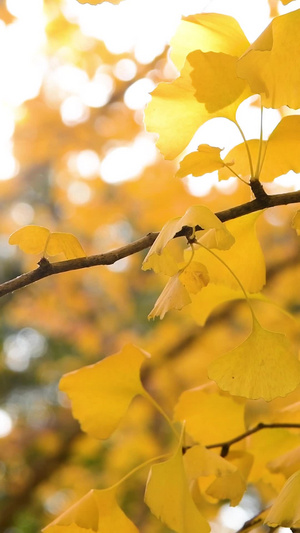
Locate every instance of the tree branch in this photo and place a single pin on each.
(46, 269)
(226, 444)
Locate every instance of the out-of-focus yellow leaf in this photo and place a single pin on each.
(101, 393)
(281, 153)
(194, 277)
(207, 32)
(30, 239)
(286, 2)
(296, 222)
(245, 257)
(285, 511)
(96, 2)
(168, 497)
(215, 81)
(36, 239)
(199, 461)
(263, 366)
(97, 512)
(232, 485)
(286, 464)
(174, 296)
(198, 409)
(206, 159)
(272, 63)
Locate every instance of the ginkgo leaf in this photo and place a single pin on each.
(263, 366)
(64, 243)
(175, 103)
(198, 215)
(205, 160)
(215, 80)
(207, 32)
(101, 393)
(199, 461)
(37, 239)
(163, 262)
(272, 63)
(285, 511)
(198, 408)
(232, 485)
(194, 277)
(174, 296)
(30, 239)
(97, 512)
(280, 153)
(296, 222)
(168, 497)
(244, 257)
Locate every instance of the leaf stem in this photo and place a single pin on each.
(247, 148)
(258, 167)
(235, 277)
(235, 173)
(161, 411)
(139, 467)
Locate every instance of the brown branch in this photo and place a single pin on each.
(225, 446)
(46, 269)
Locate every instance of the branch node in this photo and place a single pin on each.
(225, 450)
(43, 263)
(259, 192)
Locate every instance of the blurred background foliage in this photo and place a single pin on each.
(76, 158)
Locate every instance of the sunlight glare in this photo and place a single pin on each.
(73, 111)
(6, 423)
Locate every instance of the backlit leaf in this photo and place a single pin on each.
(244, 257)
(37, 239)
(174, 296)
(215, 80)
(194, 277)
(168, 497)
(206, 159)
(263, 366)
(64, 243)
(296, 222)
(97, 512)
(30, 239)
(175, 103)
(272, 63)
(101, 393)
(208, 32)
(280, 153)
(285, 511)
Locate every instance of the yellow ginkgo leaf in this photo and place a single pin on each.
(198, 408)
(296, 222)
(215, 80)
(30, 239)
(232, 486)
(197, 215)
(244, 257)
(97, 512)
(272, 63)
(174, 296)
(205, 160)
(199, 461)
(168, 497)
(207, 32)
(37, 239)
(194, 277)
(101, 393)
(263, 366)
(285, 511)
(64, 243)
(280, 153)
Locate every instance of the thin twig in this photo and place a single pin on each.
(46, 269)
